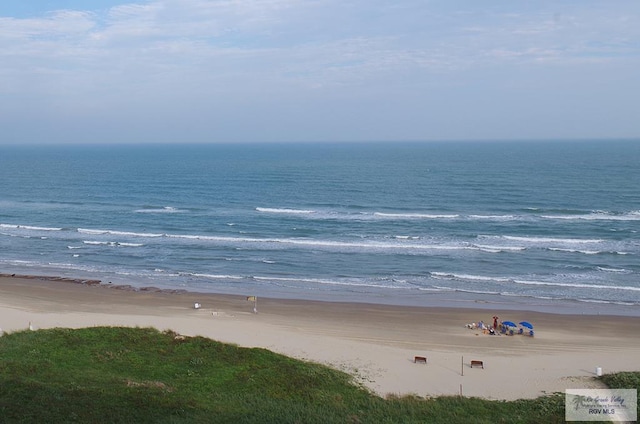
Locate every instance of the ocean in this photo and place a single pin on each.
(526, 225)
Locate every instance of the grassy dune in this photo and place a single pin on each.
(141, 375)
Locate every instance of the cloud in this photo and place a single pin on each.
(303, 58)
(55, 24)
(328, 38)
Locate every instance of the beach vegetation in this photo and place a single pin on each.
(623, 380)
(142, 375)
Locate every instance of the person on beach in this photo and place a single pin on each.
(495, 322)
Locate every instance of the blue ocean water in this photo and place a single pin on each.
(522, 224)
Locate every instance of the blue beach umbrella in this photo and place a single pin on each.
(509, 324)
(526, 324)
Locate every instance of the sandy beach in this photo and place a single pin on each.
(375, 343)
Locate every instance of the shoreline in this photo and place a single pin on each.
(454, 299)
(375, 343)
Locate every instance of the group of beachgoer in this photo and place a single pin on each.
(487, 329)
(499, 327)
(480, 325)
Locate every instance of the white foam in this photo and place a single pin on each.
(217, 276)
(312, 243)
(598, 216)
(468, 277)
(349, 283)
(577, 285)
(495, 217)
(166, 209)
(108, 243)
(585, 252)
(117, 233)
(551, 240)
(30, 227)
(497, 249)
(284, 210)
(88, 231)
(415, 215)
(614, 270)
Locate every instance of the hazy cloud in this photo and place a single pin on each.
(410, 69)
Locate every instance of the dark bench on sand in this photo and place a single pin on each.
(477, 363)
(422, 359)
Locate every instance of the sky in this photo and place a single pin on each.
(207, 71)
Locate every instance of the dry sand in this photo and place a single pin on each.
(375, 343)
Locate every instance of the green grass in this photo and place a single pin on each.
(140, 375)
(624, 380)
